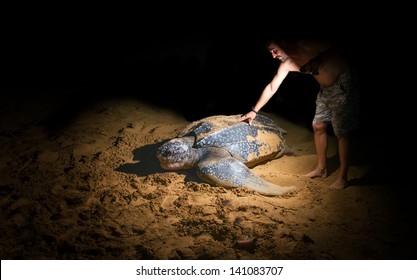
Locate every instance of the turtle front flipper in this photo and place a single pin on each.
(230, 172)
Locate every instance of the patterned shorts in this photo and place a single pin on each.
(339, 104)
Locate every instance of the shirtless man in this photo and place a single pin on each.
(337, 101)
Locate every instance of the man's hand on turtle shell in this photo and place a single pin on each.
(249, 117)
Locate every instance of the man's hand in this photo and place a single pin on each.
(249, 117)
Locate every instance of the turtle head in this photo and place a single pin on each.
(177, 153)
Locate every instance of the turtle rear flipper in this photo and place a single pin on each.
(230, 172)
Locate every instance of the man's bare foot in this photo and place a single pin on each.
(339, 184)
(317, 173)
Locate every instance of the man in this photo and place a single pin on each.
(337, 101)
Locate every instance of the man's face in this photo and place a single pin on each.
(277, 52)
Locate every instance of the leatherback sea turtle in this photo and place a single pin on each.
(222, 148)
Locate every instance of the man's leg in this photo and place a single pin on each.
(320, 141)
(343, 143)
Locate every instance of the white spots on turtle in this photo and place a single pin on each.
(229, 172)
(246, 143)
(174, 150)
(202, 128)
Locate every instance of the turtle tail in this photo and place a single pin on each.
(287, 150)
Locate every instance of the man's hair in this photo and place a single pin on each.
(285, 43)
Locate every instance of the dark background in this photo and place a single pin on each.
(196, 64)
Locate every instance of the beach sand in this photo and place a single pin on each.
(80, 180)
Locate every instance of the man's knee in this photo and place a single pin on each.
(319, 126)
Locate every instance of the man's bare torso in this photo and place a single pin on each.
(333, 64)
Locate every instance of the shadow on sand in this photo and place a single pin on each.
(146, 163)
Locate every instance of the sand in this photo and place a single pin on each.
(85, 183)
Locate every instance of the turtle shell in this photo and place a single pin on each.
(251, 144)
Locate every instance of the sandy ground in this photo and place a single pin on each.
(88, 186)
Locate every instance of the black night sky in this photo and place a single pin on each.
(211, 63)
